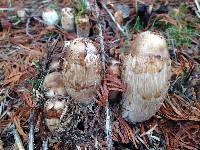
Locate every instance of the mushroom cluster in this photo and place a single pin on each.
(80, 75)
(146, 72)
(78, 79)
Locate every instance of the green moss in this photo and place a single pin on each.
(182, 36)
(138, 26)
(80, 10)
(36, 83)
(180, 14)
(183, 32)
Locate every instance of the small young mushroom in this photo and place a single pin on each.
(54, 84)
(146, 72)
(53, 110)
(21, 13)
(82, 70)
(68, 19)
(50, 16)
(54, 65)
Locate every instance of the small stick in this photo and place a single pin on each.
(141, 140)
(18, 140)
(31, 132)
(45, 144)
(149, 131)
(27, 27)
(103, 56)
(7, 9)
(198, 8)
(113, 19)
(101, 38)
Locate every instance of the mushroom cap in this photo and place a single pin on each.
(21, 13)
(54, 84)
(151, 43)
(67, 19)
(50, 16)
(146, 72)
(82, 70)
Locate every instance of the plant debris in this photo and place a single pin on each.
(34, 45)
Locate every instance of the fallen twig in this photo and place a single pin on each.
(45, 144)
(27, 27)
(31, 132)
(103, 56)
(7, 9)
(18, 140)
(113, 19)
(198, 8)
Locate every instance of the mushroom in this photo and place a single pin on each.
(146, 72)
(54, 65)
(54, 109)
(82, 70)
(21, 13)
(124, 8)
(50, 16)
(54, 84)
(68, 19)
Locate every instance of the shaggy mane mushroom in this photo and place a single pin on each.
(146, 71)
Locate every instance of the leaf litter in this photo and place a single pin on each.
(27, 46)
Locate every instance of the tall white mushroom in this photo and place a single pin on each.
(146, 72)
(82, 70)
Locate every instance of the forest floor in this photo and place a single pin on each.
(28, 45)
